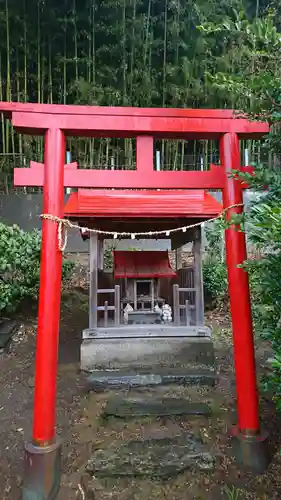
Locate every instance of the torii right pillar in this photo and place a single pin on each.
(249, 441)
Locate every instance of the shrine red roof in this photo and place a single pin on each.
(102, 203)
(142, 264)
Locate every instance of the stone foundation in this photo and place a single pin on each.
(145, 349)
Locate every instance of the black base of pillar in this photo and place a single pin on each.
(251, 451)
(42, 472)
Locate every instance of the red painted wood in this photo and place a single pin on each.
(145, 264)
(141, 204)
(50, 292)
(145, 154)
(125, 179)
(133, 125)
(240, 304)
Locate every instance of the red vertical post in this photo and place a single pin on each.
(50, 292)
(145, 154)
(244, 355)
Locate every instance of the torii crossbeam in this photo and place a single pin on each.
(55, 122)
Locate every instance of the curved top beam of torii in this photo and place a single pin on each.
(130, 122)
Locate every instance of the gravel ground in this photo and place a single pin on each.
(82, 430)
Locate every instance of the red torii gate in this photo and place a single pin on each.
(42, 457)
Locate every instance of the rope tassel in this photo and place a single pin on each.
(62, 236)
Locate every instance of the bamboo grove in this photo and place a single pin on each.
(115, 53)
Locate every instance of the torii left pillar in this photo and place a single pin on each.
(43, 453)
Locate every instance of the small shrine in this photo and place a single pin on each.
(143, 287)
(140, 274)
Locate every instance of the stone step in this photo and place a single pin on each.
(135, 407)
(154, 458)
(134, 354)
(104, 380)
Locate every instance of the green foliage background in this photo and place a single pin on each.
(114, 52)
(20, 267)
(256, 89)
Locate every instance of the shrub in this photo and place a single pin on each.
(215, 283)
(20, 266)
(265, 279)
(254, 88)
(215, 248)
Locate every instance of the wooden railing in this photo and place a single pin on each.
(190, 289)
(117, 304)
(177, 306)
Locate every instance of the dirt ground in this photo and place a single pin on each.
(82, 430)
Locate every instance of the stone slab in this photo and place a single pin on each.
(7, 330)
(99, 380)
(155, 458)
(151, 406)
(196, 377)
(136, 353)
(112, 380)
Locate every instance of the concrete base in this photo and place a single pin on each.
(42, 472)
(153, 330)
(251, 451)
(145, 350)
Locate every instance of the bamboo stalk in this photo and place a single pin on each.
(38, 51)
(124, 58)
(94, 43)
(65, 24)
(25, 50)
(25, 95)
(147, 32)
(75, 40)
(42, 78)
(8, 84)
(2, 162)
(50, 76)
(2, 116)
(132, 59)
(74, 18)
(89, 37)
(107, 152)
(18, 99)
(175, 164)
(164, 91)
(93, 75)
(182, 154)
(8, 134)
(178, 31)
(149, 103)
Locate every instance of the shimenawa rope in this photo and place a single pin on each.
(64, 224)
